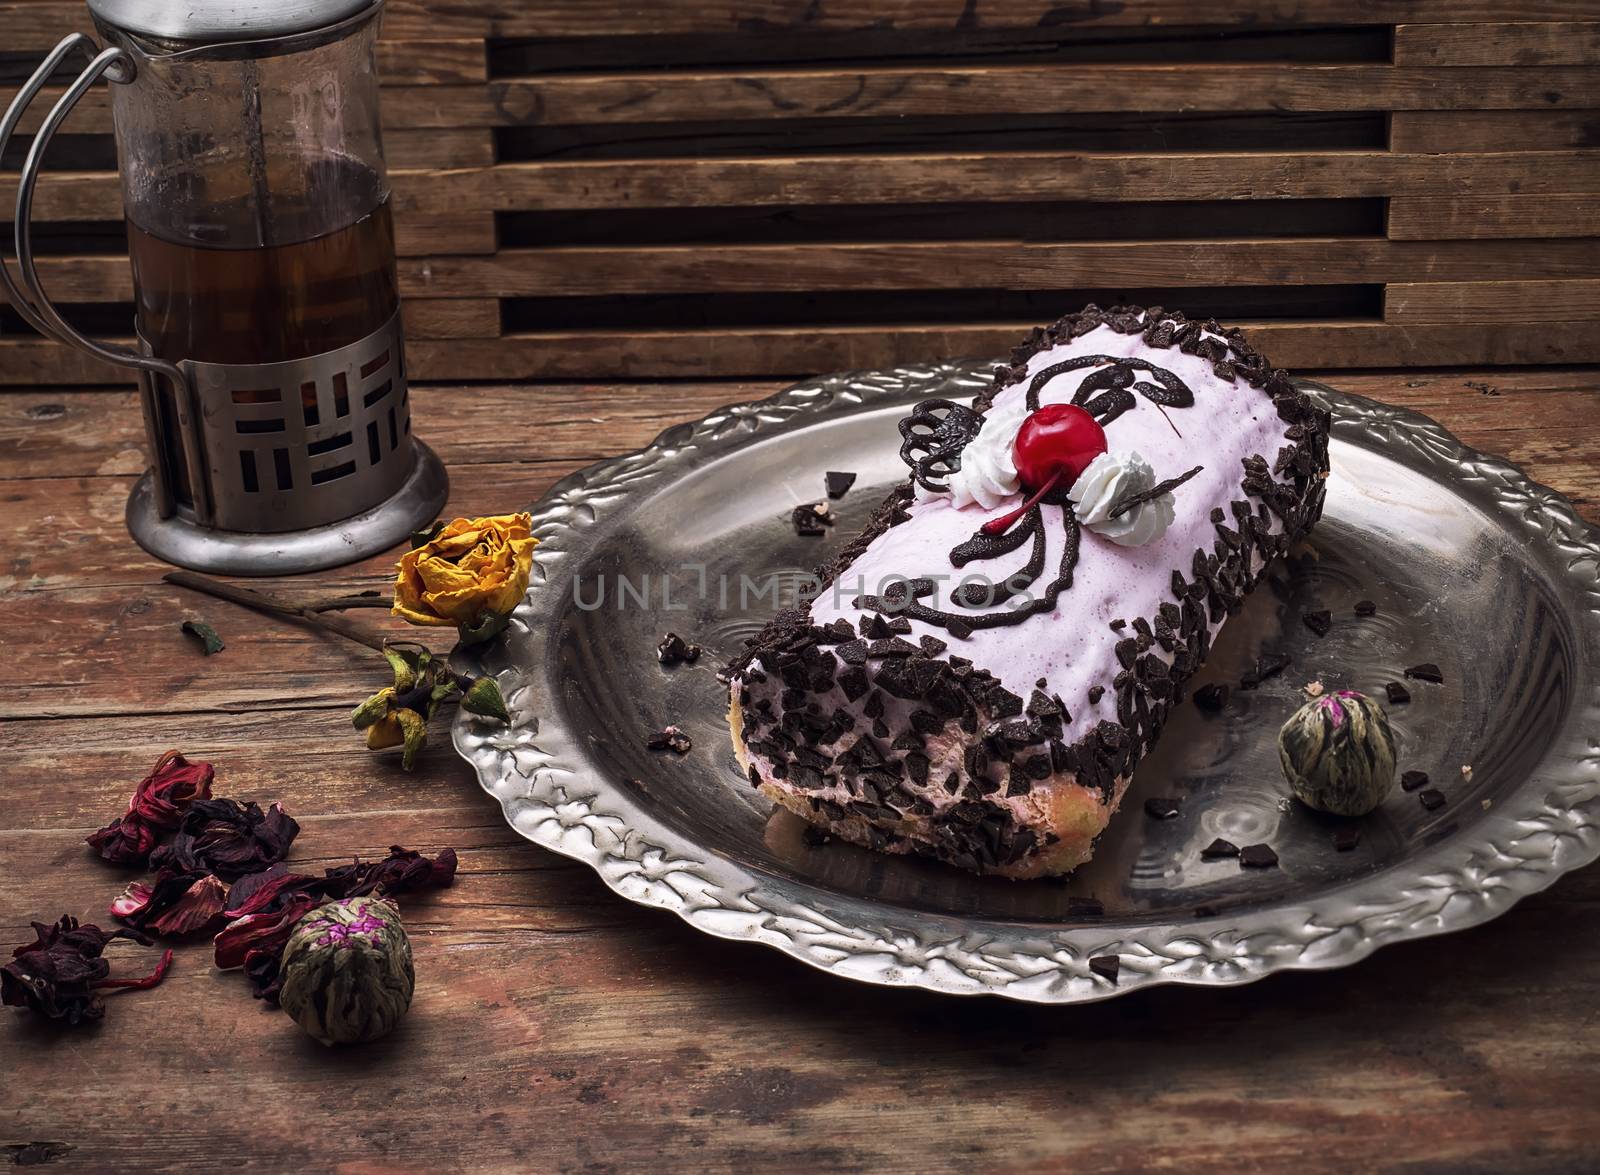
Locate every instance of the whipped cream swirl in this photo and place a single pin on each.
(1110, 478)
(988, 473)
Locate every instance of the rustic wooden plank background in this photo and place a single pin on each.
(559, 1028)
(771, 187)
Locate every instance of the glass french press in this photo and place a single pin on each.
(270, 353)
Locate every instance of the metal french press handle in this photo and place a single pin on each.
(29, 299)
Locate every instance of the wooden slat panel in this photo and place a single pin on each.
(421, 235)
(1484, 217)
(800, 350)
(430, 62)
(584, 355)
(1505, 301)
(1551, 43)
(672, 97)
(665, 96)
(37, 24)
(1460, 131)
(929, 265)
(987, 264)
(451, 318)
(915, 179)
(458, 147)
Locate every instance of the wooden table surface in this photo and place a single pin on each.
(556, 1027)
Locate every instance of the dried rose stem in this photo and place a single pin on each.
(340, 603)
(262, 602)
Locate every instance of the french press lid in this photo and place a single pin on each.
(215, 22)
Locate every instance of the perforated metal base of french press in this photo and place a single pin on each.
(177, 539)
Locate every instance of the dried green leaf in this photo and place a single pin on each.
(441, 692)
(372, 709)
(416, 731)
(483, 698)
(205, 634)
(405, 673)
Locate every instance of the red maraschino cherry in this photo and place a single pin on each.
(1054, 446)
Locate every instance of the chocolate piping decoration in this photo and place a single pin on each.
(894, 600)
(1151, 494)
(1113, 381)
(933, 443)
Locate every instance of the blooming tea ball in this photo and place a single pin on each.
(346, 970)
(1337, 752)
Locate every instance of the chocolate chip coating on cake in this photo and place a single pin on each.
(996, 730)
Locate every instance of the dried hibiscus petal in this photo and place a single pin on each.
(142, 903)
(60, 974)
(256, 940)
(132, 901)
(228, 838)
(257, 893)
(198, 907)
(157, 806)
(402, 871)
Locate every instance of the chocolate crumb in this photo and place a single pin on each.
(1212, 697)
(838, 483)
(1106, 967)
(1219, 848)
(1427, 671)
(1319, 622)
(1412, 780)
(959, 630)
(1161, 807)
(1258, 857)
(1366, 608)
(1118, 625)
(669, 738)
(673, 650)
(1096, 692)
(1432, 799)
(1265, 667)
(1399, 695)
(811, 519)
(1345, 839)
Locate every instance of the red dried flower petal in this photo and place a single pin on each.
(125, 841)
(149, 981)
(165, 890)
(133, 900)
(402, 871)
(258, 893)
(259, 931)
(158, 805)
(173, 785)
(228, 838)
(58, 974)
(200, 905)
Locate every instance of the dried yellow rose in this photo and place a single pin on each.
(472, 570)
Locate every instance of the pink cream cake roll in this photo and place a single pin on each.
(982, 698)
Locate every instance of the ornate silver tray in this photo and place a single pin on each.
(1472, 566)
